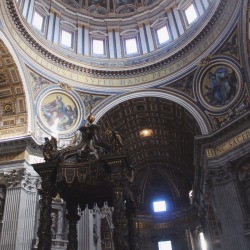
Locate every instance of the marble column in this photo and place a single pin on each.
(20, 208)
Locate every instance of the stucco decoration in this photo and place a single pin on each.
(91, 101)
(59, 113)
(184, 85)
(219, 85)
(38, 83)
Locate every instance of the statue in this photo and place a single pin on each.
(49, 147)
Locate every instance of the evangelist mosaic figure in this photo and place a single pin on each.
(221, 86)
(59, 114)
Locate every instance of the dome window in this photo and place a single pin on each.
(131, 46)
(66, 38)
(165, 245)
(191, 14)
(98, 47)
(163, 35)
(38, 21)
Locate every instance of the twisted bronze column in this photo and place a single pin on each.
(73, 219)
(44, 230)
(120, 234)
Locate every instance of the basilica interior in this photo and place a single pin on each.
(124, 125)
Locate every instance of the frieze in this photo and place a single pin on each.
(24, 155)
(12, 157)
(164, 68)
(229, 145)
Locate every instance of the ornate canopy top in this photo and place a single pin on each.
(93, 144)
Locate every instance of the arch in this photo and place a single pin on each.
(184, 102)
(23, 77)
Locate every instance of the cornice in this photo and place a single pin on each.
(20, 144)
(125, 71)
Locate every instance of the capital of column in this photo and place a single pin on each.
(58, 14)
(86, 26)
(140, 25)
(80, 25)
(21, 178)
(168, 10)
(110, 29)
(221, 174)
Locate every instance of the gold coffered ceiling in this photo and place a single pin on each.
(13, 112)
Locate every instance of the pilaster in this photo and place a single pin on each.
(178, 21)
(118, 43)
(111, 43)
(25, 8)
(79, 39)
(57, 29)
(227, 206)
(20, 209)
(86, 40)
(143, 39)
(30, 11)
(51, 24)
(150, 37)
